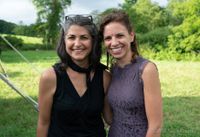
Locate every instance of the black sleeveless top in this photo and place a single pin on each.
(75, 116)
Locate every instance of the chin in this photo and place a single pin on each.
(79, 58)
(117, 56)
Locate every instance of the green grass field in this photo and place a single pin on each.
(180, 90)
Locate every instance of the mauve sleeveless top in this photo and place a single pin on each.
(126, 98)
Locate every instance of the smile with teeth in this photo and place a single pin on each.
(79, 49)
(116, 49)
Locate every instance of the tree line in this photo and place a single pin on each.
(175, 27)
(21, 29)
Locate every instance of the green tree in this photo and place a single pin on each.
(20, 29)
(186, 36)
(50, 13)
(150, 22)
(175, 10)
(6, 27)
(145, 15)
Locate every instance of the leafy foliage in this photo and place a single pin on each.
(50, 12)
(152, 23)
(16, 42)
(156, 39)
(173, 29)
(6, 27)
(145, 15)
(186, 36)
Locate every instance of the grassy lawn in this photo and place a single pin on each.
(180, 90)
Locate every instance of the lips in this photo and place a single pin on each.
(78, 50)
(116, 50)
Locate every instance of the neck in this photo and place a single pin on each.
(82, 64)
(81, 67)
(126, 60)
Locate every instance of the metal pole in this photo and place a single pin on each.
(4, 72)
(33, 67)
(26, 97)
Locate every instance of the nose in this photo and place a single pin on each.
(114, 42)
(77, 42)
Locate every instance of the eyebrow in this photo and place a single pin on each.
(78, 35)
(119, 33)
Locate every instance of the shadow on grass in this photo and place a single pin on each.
(17, 118)
(181, 117)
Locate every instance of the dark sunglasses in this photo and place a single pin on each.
(83, 18)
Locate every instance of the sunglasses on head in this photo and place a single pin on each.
(84, 18)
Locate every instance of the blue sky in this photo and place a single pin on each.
(23, 10)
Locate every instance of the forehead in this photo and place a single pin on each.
(114, 28)
(77, 29)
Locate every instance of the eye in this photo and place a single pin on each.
(107, 38)
(84, 37)
(120, 35)
(70, 37)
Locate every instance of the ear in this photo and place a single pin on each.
(132, 34)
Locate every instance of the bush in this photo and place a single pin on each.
(185, 38)
(167, 54)
(16, 42)
(156, 39)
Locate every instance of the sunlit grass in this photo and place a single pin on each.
(180, 78)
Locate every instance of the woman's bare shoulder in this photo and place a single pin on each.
(48, 77)
(150, 68)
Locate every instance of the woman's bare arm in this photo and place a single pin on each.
(107, 112)
(153, 100)
(47, 87)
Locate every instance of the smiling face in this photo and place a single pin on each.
(118, 40)
(78, 43)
